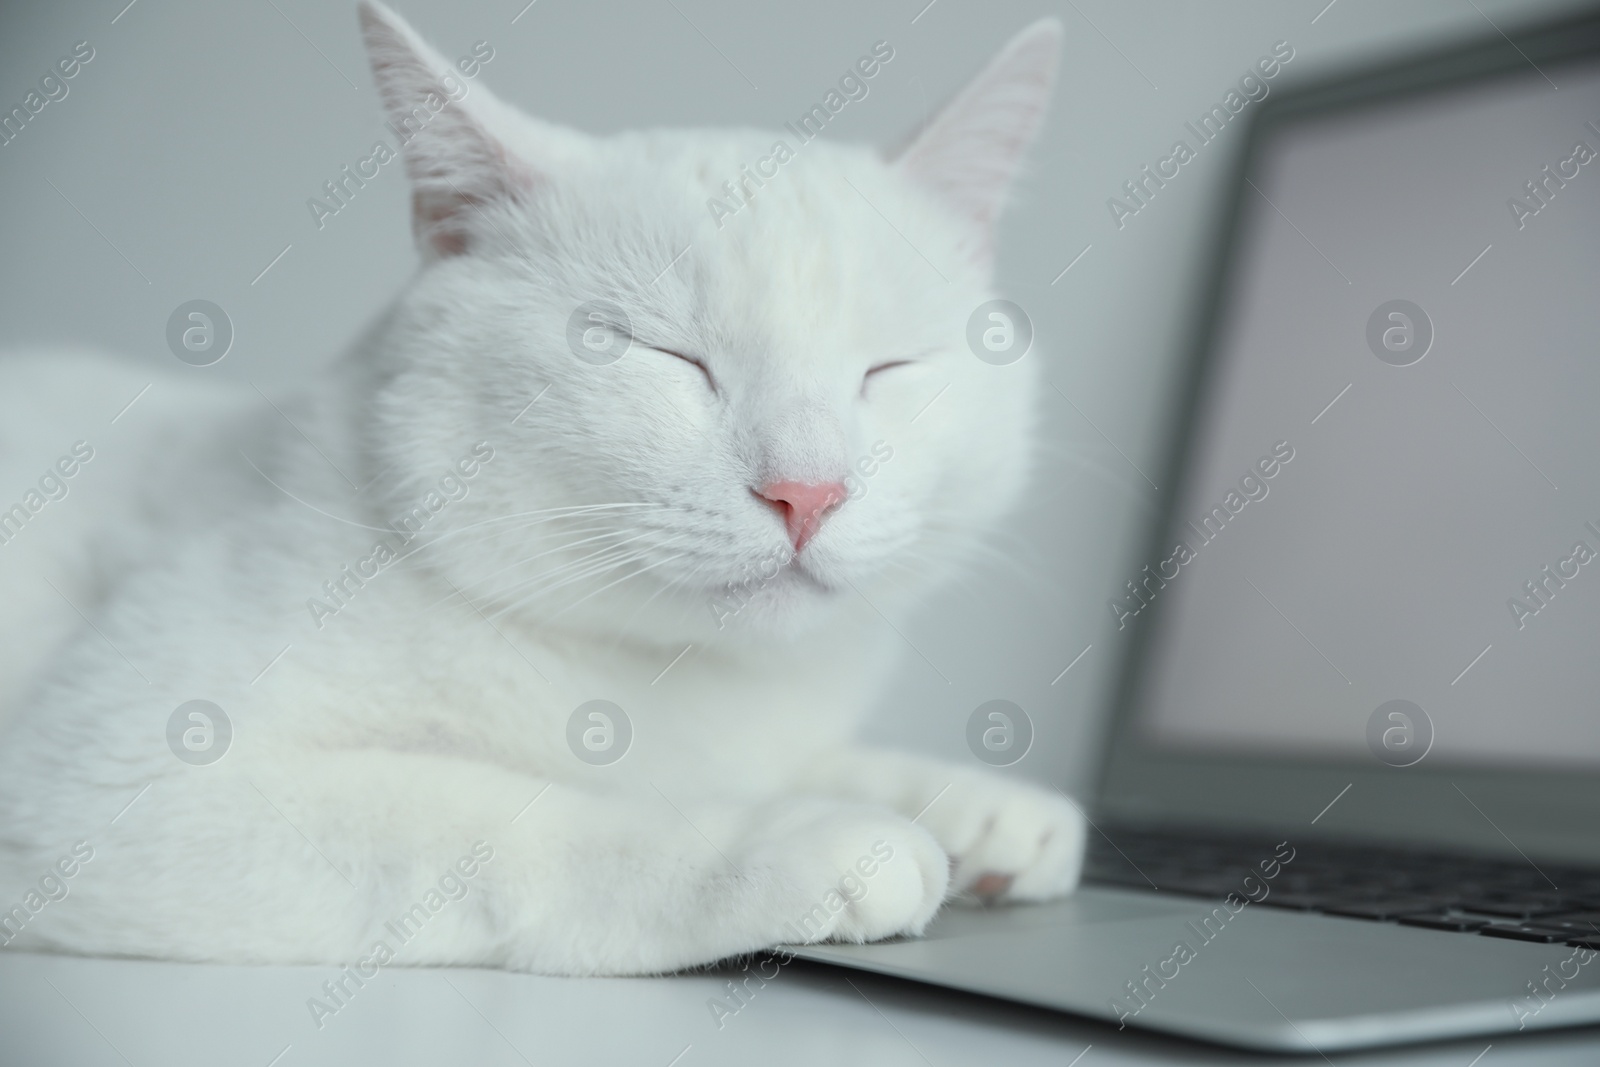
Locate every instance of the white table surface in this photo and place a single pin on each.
(86, 1013)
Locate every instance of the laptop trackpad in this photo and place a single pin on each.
(1275, 979)
(1088, 907)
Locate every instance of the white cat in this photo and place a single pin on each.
(403, 587)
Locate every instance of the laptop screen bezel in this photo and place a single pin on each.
(1534, 812)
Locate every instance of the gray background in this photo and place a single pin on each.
(189, 146)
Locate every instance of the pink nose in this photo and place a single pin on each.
(804, 506)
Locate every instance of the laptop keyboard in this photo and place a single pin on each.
(1432, 890)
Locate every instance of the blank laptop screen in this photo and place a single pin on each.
(1394, 490)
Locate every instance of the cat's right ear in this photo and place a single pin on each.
(455, 163)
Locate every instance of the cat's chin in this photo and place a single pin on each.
(797, 595)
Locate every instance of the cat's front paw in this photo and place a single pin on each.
(1007, 840)
(847, 872)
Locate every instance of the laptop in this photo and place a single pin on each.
(1351, 793)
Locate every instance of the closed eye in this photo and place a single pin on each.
(701, 367)
(880, 368)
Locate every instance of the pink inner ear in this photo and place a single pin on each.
(456, 165)
(440, 216)
(968, 153)
(428, 215)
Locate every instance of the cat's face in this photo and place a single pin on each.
(712, 416)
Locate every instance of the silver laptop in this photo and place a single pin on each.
(1352, 791)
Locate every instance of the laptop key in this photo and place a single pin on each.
(1520, 932)
(1300, 901)
(1377, 909)
(1454, 923)
(1511, 908)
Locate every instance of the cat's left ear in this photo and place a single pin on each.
(968, 153)
(456, 164)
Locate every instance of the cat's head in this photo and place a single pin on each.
(726, 375)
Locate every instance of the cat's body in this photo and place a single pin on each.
(555, 530)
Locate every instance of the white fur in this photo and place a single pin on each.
(612, 529)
